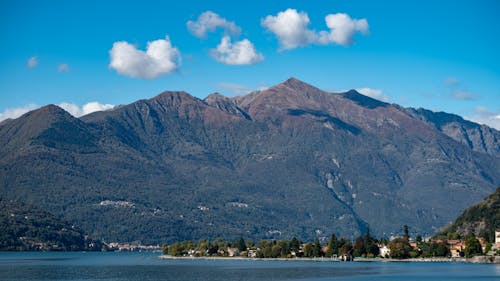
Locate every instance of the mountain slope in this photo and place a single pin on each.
(480, 220)
(288, 160)
(23, 227)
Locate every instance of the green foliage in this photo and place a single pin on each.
(472, 247)
(333, 247)
(432, 249)
(27, 228)
(180, 248)
(406, 233)
(308, 250)
(240, 244)
(480, 220)
(400, 248)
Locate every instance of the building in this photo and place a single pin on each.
(384, 251)
(233, 252)
(497, 239)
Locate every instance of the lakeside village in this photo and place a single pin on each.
(451, 246)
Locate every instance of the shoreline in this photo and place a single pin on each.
(476, 259)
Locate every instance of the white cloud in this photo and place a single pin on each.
(484, 116)
(71, 108)
(457, 90)
(237, 89)
(87, 108)
(13, 113)
(373, 93)
(32, 62)
(291, 28)
(237, 53)
(63, 67)
(342, 29)
(159, 58)
(209, 22)
(463, 95)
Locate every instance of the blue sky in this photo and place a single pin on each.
(90, 55)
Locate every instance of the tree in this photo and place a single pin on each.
(419, 239)
(359, 247)
(472, 247)
(317, 249)
(240, 244)
(295, 245)
(406, 232)
(333, 246)
(400, 248)
(164, 249)
(308, 250)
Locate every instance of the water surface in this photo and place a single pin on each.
(147, 266)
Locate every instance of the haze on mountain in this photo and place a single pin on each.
(291, 160)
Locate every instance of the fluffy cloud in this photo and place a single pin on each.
(32, 62)
(342, 29)
(291, 28)
(237, 53)
(87, 108)
(485, 116)
(209, 22)
(63, 67)
(12, 113)
(373, 93)
(159, 58)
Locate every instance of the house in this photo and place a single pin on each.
(384, 251)
(497, 238)
(252, 253)
(457, 249)
(233, 252)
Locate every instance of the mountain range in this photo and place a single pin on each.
(290, 160)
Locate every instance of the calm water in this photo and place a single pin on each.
(147, 266)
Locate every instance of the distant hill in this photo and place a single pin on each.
(27, 228)
(479, 220)
(290, 160)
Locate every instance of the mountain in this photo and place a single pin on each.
(24, 227)
(481, 220)
(291, 160)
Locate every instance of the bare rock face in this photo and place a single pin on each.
(291, 160)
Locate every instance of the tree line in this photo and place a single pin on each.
(363, 246)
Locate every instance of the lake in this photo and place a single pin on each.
(147, 266)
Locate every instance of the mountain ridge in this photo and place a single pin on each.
(288, 160)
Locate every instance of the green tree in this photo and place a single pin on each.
(240, 244)
(406, 232)
(317, 249)
(400, 248)
(295, 245)
(333, 247)
(359, 247)
(418, 239)
(472, 247)
(164, 249)
(308, 250)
